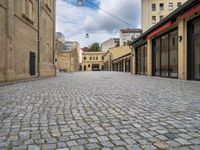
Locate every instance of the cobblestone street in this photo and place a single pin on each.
(100, 110)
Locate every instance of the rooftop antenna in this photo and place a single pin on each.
(80, 3)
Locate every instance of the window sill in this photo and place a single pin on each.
(27, 18)
(47, 6)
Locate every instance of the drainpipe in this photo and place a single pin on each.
(54, 38)
(38, 65)
(70, 61)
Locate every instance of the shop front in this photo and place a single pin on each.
(165, 55)
(141, 60)
(171, 48)
(194, 49)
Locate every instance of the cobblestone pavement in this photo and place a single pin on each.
(100, 110)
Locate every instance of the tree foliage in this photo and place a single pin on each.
(94, 47)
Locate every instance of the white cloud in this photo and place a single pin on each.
(75, 22)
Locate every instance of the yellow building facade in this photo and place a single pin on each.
(155, 10)
(171, 48)
(118, 59)
(92, 61)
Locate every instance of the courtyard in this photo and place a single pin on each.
(100, 110)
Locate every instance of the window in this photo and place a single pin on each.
(178, 4)
(156, 59)
(90, 58)
(161, 17)
(30, 7)
(153, 19)
(141, 54)
(93, 58)
(165, 55)
(96, 58)
(102, 58)
(170, 6)
(153, 7)
(27, 10)
(173, 54)
(88, 65)
(24, 8)
(84, 58)
(161, 6)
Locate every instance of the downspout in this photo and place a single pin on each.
(54, 38)
(70, 61)
(38, 65)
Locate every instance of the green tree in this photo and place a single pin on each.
(94, 47)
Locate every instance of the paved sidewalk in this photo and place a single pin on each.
(100, 110)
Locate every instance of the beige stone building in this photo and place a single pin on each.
(155, 10)
(92, 61)
(126, 35)
(118, 59)
(27, 37)
(110, 43)
(171, 48)
(67, 59)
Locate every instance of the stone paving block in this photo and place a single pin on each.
(93, 146)
(34, 147)
(96, 110)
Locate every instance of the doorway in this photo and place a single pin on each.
(84, 67)
(32, 64)
(194, 50)
(95, 67)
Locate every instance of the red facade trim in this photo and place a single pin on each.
(191, 12)
(159, 29)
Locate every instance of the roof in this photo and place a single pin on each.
(85, 49)
(97, 52)
(130, 30)
(172, 16)
(114, 39)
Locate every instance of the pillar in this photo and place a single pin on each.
(133, 61)
(182, 71)
(124, 65)
(149, 57)
(10, 61)
(118, 66)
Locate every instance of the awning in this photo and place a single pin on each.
(140, 42)
(190, 12)
(159, 29)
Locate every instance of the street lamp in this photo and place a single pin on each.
(80, 3)
(87, 35)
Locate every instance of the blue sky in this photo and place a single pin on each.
(74, 22)
(86, 3)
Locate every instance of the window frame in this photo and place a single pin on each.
(179, 4)
(153, 7)
(152, 20)
(26, 10)
(163, 5)
(153, 56)
(171, 6)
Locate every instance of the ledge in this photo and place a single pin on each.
(27, 18)
(48, 7)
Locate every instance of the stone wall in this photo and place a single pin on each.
(19, 37)
(3, 38)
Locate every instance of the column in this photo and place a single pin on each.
(10, 61)
(149, 57)
(133, 61)
(182, 70)
(124, 65)
(118, 66)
